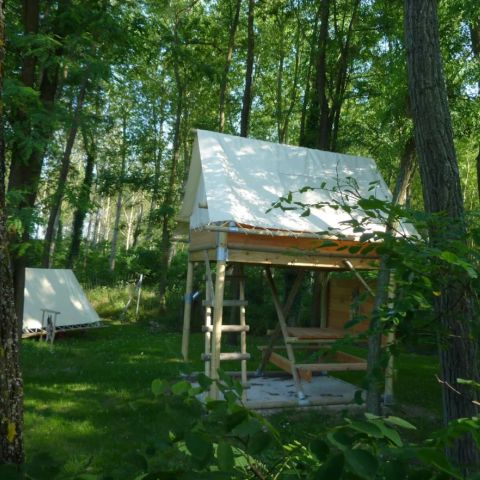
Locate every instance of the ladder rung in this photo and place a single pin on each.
(228, 328)
(227, 356)
(227, 303)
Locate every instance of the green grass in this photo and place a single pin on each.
(88, 400)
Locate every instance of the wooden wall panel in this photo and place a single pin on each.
(341, 294)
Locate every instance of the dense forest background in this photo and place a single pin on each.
(100, 99)
(102, 96)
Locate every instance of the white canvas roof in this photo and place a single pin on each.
(238, 179)
(58, 290)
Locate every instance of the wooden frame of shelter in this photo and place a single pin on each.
(231, 186)
(228, 246)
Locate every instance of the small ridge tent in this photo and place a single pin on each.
(55, 290)
(231, 187)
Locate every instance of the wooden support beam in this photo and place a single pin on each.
(283, 326)
(349, 264)
(187, 311)
(285, 364)
(275, 335)
(218, 312)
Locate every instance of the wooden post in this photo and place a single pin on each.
(388, 398)
(210, 296)
(218, 311)
(187, 311)
(324, 300)
(243, 334)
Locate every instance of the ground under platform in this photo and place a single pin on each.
(273, 390)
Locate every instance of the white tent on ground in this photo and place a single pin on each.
(56, 290)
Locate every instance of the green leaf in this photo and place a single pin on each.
(204, 381)
(259, 442)
(400, 422)
(369, 429)
(320, 449)
(362, 462)
(436, 458)
(394, 470)
(158, 387)
(332, 469)
(390, 433)
(181, 387)
(199, 447)
(225, 458)
(306, 213)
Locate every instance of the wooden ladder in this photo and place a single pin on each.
(242, 328)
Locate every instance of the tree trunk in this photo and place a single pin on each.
(118, 208)
(48, 247)
(317, 131)
(475, 38)
(11, 385)
(375, 372)
(455, 307)
(247, 92)
(158, 155)
(83, 202)
(26, 165)
(166, 242)
(226, 68)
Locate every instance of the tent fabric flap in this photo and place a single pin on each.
(58, 290)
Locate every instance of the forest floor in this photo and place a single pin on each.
(89, 408)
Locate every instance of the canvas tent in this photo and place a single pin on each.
(231, 186)
(56, 290)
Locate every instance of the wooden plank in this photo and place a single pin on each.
(343, 357)
(285, 364)
(228, 328)
(306, 333)
(227, 303)
(302, 261)
(315, 246)
(201, 240)
(333, 367)
(224, 356)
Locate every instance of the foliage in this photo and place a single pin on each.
(200, 438)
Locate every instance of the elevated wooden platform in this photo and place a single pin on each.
(259, 247)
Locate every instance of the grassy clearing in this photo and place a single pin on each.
(88, 401)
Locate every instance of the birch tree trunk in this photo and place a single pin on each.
(11, 385)
(49, 244)
(118, 206)
(456, 306)
(375, 372)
